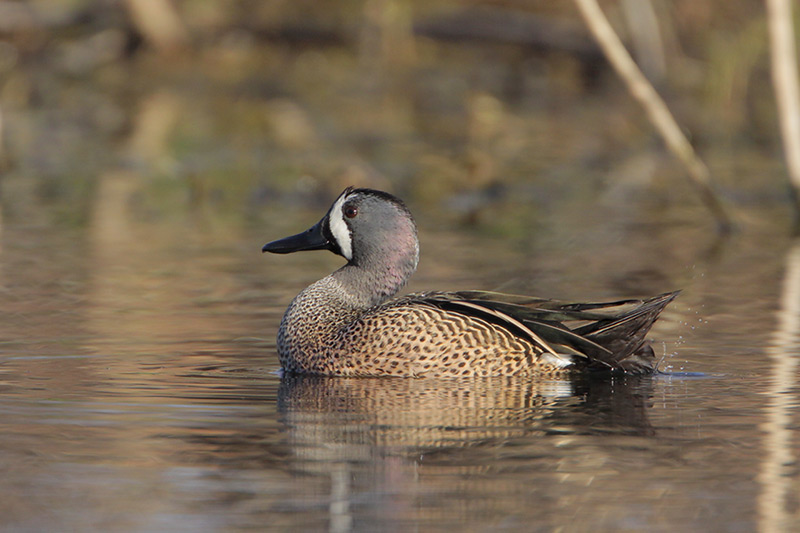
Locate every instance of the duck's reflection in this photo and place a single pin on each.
(392, 441)
(351, 419)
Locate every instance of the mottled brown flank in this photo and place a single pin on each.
(405, 337)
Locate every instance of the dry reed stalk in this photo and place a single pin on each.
(787, 93)
(159, 23)
(654, 106)
(2, 143)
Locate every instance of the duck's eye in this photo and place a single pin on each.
(350, 211)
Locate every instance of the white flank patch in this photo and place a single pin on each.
(340, 230)
(557, 360)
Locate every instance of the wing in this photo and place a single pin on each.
(608, 334)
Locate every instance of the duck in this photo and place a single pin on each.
(350, 323)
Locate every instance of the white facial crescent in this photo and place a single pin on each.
(341, 233)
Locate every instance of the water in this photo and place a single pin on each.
(140, 392)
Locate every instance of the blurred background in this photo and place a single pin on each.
(488, 113)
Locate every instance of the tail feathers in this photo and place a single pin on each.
(625, 336)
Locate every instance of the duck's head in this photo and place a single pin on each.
(372, 229)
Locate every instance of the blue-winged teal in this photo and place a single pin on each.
(345, 324)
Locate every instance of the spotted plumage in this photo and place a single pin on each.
(346, 325)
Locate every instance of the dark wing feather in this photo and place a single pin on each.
(603, 335)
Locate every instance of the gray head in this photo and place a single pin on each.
(374, 231)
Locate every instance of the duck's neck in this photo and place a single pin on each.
(373, 280)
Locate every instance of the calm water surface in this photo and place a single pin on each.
(140, 389)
